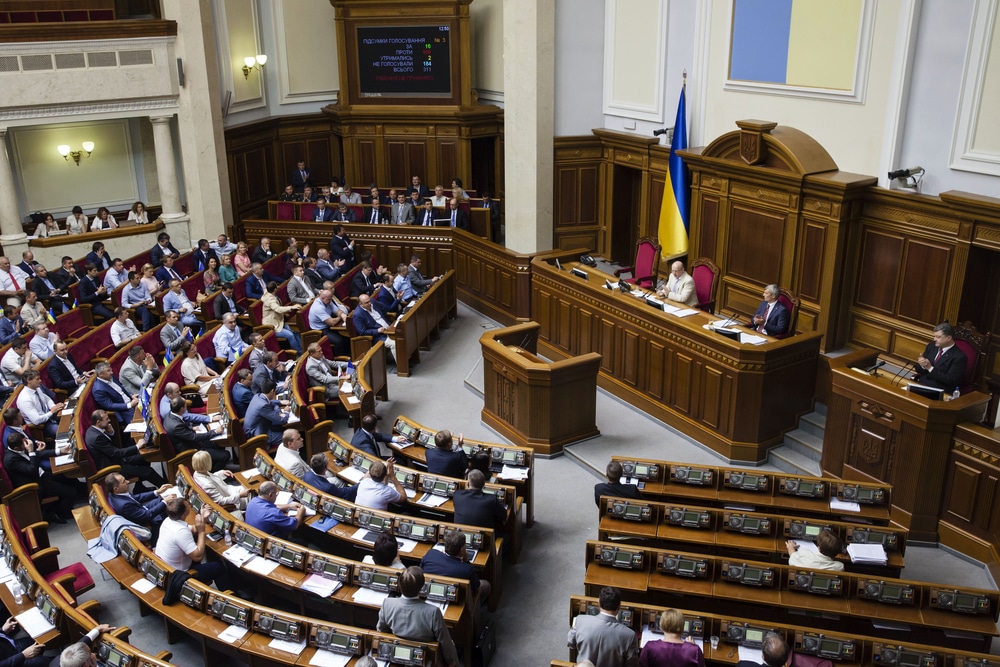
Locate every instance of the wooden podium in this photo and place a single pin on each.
(877, 431)
(532, 402)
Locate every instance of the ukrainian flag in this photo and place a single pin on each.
(675, 208)
(50, 316)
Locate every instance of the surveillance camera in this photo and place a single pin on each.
(659, 132)
(906, 173)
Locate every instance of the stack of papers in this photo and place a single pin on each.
(237, 555)
(232, 634)
(262, 566)
(136, 427)
(294, 648)
(844, 506)
(320, 585)
(510, 472)
(324, 658)
(867, 553)
(352, 474)
(143, 585)
(64, 460)
(34, 623)
(369, 597)
(806, 545)
(429, 500)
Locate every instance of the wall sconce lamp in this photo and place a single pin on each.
(64, 150)
(251, 63)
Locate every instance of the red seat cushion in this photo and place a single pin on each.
(703, 279)
(82, 579)
(971, 357)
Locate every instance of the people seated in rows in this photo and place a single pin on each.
(210, 277)
(138, 371)
(287, 455)
(327, 266)
(215, 483)
(459, 218)
(322, 213)
(263, 514)
(48, 289)
(11, 326)
(116, 274)
(138, 214)
(323, 372)
(344, 213)
(614, 486)
(256, 283)
(227, 272)
(417, 186)
(409, 617)
(366, 279)
(42, 344)
(136, 295)
(182, 545)
(123, 329)
(38, 405)
(23, 464)
(222, 246)
(12, 283)
(17, 361)
(193, 368)
(47, 227)
(348, 196)
(828, 547)
(771, 317)
(183, 437)
(475, 508)
(263, 252)
(438, 199)
(27, 264)
(457, 191)
(103, 220)
(106, 450)
(145, 508)
(425, 218)
(226, 303)
(195, 416)
(942, 364)
(111, 396)
(32, 311)
(386, 295)
(385, 553)
(402, 285)
(201, 255)
(325, 314)
(64, 373)
(66, 275)
(416, 200)
(367, 437)
(418, 283)
(603, 639)
(300, 290)
(379, 487)
(242, 392)
(371, 321)
(318, 476)
(77, 222)
(342, 247)
(273, 315)
(454, 562)
(167, 272)
(265, 415)
(376, 198)
(241, 260)
(95, 294)
(447, 457)
(163, 248)
(674, 650)
(256, 355)
(312, 276)
(177, 301)
(98, 256)
(308, 195)
(403, 211)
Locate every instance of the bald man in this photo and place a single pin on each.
(679, 288)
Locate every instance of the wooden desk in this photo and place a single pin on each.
(737, 399)
(423, 322)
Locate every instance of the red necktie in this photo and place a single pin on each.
(936, 358)
(17, 288)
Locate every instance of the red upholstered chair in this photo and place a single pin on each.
(706, 276)
(306, 211)
(286, 210)
(788, 300)
(359, 211)
(973, 345)
(647, 261)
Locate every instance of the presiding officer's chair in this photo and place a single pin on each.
(973, 345)
(788, 300)
(705, 274)
(647, 261)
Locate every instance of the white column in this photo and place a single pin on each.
(11, 231)
(529, 118)
(166, 167)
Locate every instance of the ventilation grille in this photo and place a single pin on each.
(70, 61)
(141, 57)
(8, 64)
(36, 63)
(102, 59)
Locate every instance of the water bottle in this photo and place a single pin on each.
(18, 591)
(956, 394)
(229, 538)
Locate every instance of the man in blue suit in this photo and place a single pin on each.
(162, 249)
(323, 213)
(771, 317)
(256, 282)
(386, 297)
(202, 255)
(110, 396)
(167, 272)
(317, 478)
(146, 509)
(98, 256)
(370, 321)
(11, 325)
(367, 437)
(94, 293)
(328, 267)
(453, 562)
(264, 415)
(242, 393)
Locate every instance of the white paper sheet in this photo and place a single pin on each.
(751, 654)
(324, 658)
(320, 585)
(143, 585)
(232, 634)
(284, 497)
(261, 566)
(295, 648)
(843, 506)
(136, 427)
(64, 460)
(354, 475)
(32, 622)
(370, 597)
(429, 500)
(237, 555)
(509, 472)
(251, 473)
(867, 553)
(806, 545)
(406, 545)
(353, 400)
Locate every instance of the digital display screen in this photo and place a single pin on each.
(866, 494)
(251, 542)
(510, 456)
(965, 601)
(891, 592)
(813, 531)
(404, 61)
(339, 451)
(807, 487)
(687, 625)
(341, 512)
(402, 476)
(403, 652)
(280, 627)
(909, 659)
(440, 486)
(405, 430)
(230, 613)
(283, 482)
(752, 574)
(364, 464)
(696, 475)
(691, 517)
(307, 497)
(623, 558)
(380, 579)
(821, 583)
(340, 641)
(829, 646)
(418, 530)
(751, 480)
(219, 523)
(116, 658)
(633, 512)
(376, 522)
(754, 635)
(641, 470)
(437, 589)
(685, 566)
(751, 524)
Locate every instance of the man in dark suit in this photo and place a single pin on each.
(66, 275)
(417, 186)
(226, 303)
(364, 280)
(614, 486)
(63, 371)
(242, 393)
(942, 364)
(183, 437)
(459, 218)
(370, 321)
(20, 651)
(494, 206)
(28, 263)
(256, 282)
(269, 369)
(202, 255)
(345, 213)
(377, 198)
(771, 317)
(162, 249)
(311, 274)
(426, 216)
(774, 650)
(417, 280)
(322, 213)
(145, 509)
(167, 272)
(475, 508)
(317, 478)
(93, 293)
(443, 459)
(367, 437)
(48, 289)
(387, 298)
(454, 562)
(102, 444)
(22, 462)
(264, 415)
(301, 176)
(110, 396)
(342, 247)
(98, 256)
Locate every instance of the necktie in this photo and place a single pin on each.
(767, 312)
(17, 288)
(40, 402)
(938, 357)
(427, 219)
(454, 214)
(174, 274)
(375, 215)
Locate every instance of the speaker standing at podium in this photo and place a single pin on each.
(942, 364)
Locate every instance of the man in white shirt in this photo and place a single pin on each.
(227, 341)
(116, 275)
(123, 329)
(37, 406)
(380, 487)
(299, 289)
(439, 199)
(287, 455)
(43, 343)
(13, 282)
(223, 246)
(182, 546)
(17, 361)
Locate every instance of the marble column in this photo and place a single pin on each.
(12, 234)
(529, 119)
(166, 174)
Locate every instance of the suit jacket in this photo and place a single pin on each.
(201, 258)
(297, 291)
(349, 493)
(366, 324)
(327, 270)
(417, 280)
(105, 453)
(475, 508)
(438, 562)
(61, 376)
(143, 508)
(108, 399)
(241, 399)
(425, 218)
(408, 213)
(362, 284)
(65, 278)
(157, 253)
(340, 250)
(947, 373)
(100, 262)
(21, 470)
(254, 289)
(264, 417)
(321, 374)
(132, 376)
(10, 329)
(28, 268)
(386, 301)
(299, 181)
(368, 442)
(423, 191)
(182, 436)
(347, 216)
(461, 218)
(172, 337)
(260, 255)
(777, 321)
(367, 217)
(88, 292)
(45, 294)
(683, 290)
(604, 641)
(323, 215)
(164, 275)
(315, 279)
(452, 463)
(221, 307)
(617, 490)
(262, 372)
(412, 618)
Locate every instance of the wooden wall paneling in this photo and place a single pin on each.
(320, 160)
(880, 263)
(706, 243)
(655, 368)
(682, 383)
(756, 239)
(588, 183)
(396, 164)
(578, 200)
(970, 518)
(566, 197)
(366, 164)
(448, 163)
(923, 281)
(812, 255)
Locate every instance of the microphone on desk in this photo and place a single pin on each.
(729, 320)
(878, 364)
(897, 378)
